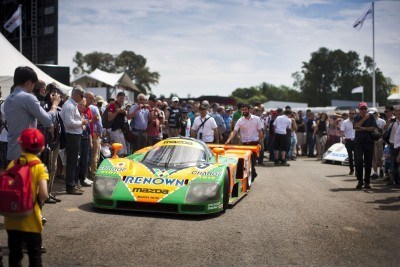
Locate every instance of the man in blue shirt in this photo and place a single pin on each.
(139, 114)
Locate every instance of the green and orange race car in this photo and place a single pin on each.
(176, 175)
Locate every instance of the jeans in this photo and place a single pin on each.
(363, 156)
(395, 166)
(72, 151)
(33, 244)
(350, 150)
(293, 142)
(310, 144)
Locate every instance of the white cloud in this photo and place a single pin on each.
(204, 47)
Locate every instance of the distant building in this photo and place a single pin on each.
(39, 29)
(282, 104)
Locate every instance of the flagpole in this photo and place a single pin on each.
(20, 29)
(373, 55)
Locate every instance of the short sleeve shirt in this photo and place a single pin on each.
(207, 130)
(33, 222)
(249, 128)
(364, 136)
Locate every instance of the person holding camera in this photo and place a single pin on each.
(139, 115)
(156, 119)
(117, 114)
(391, 126)
(25, 110)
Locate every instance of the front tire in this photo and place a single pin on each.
(225, 197)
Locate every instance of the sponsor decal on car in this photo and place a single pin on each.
(154, 181)
(214, 206)
(150, 190)
(112, 168)
(203, 173)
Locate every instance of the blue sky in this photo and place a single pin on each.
(213, 47)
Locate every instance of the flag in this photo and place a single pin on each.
(359, 89)
(394, 90)
(14, 21)
(360, 21)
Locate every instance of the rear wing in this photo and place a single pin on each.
(254, 149)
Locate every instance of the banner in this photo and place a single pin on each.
(14, 21)
(394, 90)
(359, 89)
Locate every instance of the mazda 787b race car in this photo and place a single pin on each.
(176, 175)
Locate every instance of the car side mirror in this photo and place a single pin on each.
(116, 147)
(218, 151)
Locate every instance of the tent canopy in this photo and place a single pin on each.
(395, 96)
(11, 58)
(99, 78)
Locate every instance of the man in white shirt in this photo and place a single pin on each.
(282, 125)
(204, 127)
(73, 123)
(347, 131)
(250, 127)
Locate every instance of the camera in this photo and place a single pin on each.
(200, 136)
(393, 119)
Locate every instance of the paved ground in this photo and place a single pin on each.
(307, 214)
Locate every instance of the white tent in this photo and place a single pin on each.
(11, 58)
(394, 97)
(99, 78)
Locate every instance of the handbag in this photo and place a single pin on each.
(376, 135)
(386, 134)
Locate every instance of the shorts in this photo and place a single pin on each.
(281, 141)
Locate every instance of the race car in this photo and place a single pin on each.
(336, 154)
(176, 175)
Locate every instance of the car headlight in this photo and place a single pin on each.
(203, 192)
(104, 186)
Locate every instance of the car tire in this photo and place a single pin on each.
(249, 177)
(225, 197)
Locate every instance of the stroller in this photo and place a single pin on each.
(105, 151)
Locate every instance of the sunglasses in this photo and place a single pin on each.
(352, 113)
(363, 108)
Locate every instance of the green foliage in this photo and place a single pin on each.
(127, 61)
(265, 92)
(333, 74)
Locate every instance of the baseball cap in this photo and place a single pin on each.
(32, 140)
(175, 99)
(203, 106)
(362, 104)
(154, 98)
(373, 110)
(185, 110)
(99, 99)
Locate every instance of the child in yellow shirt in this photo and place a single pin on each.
(29, 228)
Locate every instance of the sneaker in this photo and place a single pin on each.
(88, 181)
(53, 197)
(351, 172)
(276, 163)
(359, 186)
(285, 164)
(85, 184)
(367, 186)
(374, 176)
(74, 191)
(49, 200)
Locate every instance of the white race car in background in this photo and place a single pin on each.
(337, 153)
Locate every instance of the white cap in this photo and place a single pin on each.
(373, 110)
(174, 99)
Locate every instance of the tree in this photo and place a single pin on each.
(333, 74)
(127, 61)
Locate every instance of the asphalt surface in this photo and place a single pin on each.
(308, 214)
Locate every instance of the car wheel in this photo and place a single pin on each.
(225, 198)
(249, 177)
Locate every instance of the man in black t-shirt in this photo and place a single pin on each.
(364, 124)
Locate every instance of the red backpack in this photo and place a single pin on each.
(16, 190)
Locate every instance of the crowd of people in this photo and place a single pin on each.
(75, 127)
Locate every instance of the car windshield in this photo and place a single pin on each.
(174, 155)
